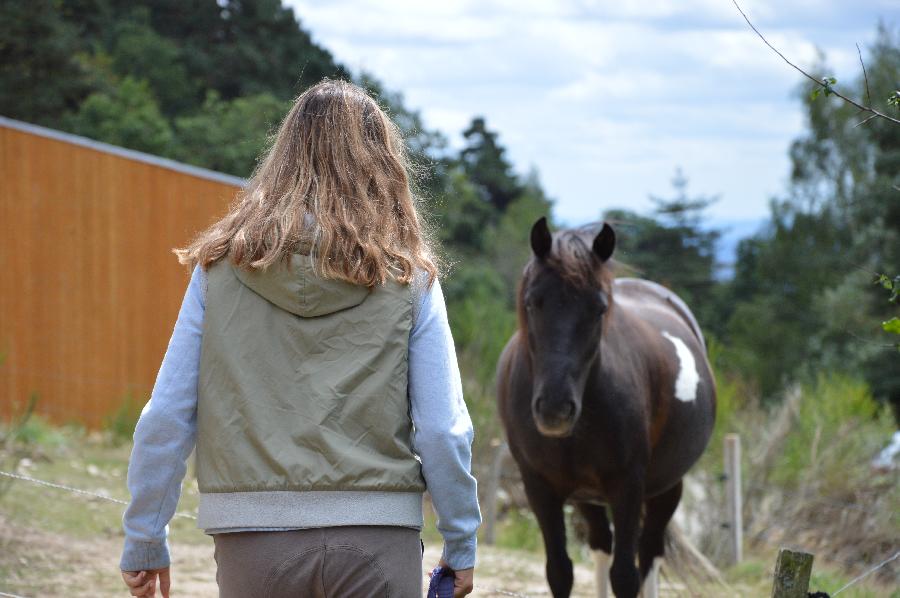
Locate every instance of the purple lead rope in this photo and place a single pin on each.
(442, 582)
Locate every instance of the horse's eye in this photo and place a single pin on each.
(602, 301)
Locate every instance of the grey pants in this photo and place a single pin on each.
(330, 562)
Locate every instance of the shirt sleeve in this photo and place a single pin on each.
(164, 438)
(443, 429)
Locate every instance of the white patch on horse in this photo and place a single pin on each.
(651, 583)
(601, 573)
(688, 378)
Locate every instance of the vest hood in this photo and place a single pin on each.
(297, 288)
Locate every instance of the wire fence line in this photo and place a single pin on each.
(25, 478)
(859, 578)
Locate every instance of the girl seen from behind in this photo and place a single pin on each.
(312, 367)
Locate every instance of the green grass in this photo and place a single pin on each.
(753, 577)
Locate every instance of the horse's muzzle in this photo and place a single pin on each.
(555, 419)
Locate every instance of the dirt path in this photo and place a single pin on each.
(37, 563)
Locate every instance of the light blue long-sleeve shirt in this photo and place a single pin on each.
(166, 432)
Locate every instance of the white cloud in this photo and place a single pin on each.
(606, 98)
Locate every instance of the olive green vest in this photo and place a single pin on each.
(303, 384)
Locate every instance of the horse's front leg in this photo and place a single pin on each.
(600, 541)
(626, 509)
(548, 508)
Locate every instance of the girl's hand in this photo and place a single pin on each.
(464, 581)
(143, 583)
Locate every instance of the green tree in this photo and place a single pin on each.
(484, 161)
(508, 243)
(802, 293)
(228, 135)
(142, 53)
(673, 247)
(261, 48)
(461, 216)
(779, 275)
(853, 172)
(127, 116)
(40, 74)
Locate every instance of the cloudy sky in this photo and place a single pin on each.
(606, 98)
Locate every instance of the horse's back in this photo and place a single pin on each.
(646, 291)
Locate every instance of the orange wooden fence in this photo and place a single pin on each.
(89, 287)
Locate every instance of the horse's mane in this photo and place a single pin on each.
(572, 257)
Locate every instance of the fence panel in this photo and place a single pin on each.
(89, 287)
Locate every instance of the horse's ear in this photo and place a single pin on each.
(541, 239)
(605, 242)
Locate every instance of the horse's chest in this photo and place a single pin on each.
(572, 465)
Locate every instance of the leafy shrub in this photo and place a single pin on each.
(120, 424)
(838, 429)
(519, 530)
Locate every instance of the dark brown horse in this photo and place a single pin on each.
(607, 398)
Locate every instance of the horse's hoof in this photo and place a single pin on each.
(625, 581)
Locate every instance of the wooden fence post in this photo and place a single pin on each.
(792, 572)
(490, 516)
(735, 506)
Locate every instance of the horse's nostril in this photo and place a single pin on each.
(560, 411)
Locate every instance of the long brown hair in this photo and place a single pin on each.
(338, 158)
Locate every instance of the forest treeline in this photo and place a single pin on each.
(205, 82)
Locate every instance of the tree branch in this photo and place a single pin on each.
(826, 86)
(865, 120)
(865, 74)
